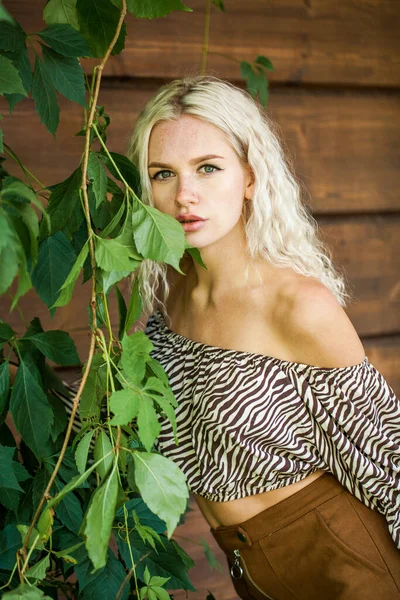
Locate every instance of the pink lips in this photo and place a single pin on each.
(193, 226)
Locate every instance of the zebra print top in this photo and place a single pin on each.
(248, 423)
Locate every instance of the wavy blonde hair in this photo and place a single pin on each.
(278, 226)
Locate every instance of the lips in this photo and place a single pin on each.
(189, 218)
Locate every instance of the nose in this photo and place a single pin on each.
(185, 191)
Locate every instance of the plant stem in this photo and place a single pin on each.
(26, 171)
(206, 37)
(99, 70)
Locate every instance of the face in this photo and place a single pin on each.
(194, 170)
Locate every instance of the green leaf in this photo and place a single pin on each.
(125, 406)
(148, 425)
(162, 486)
(10, 80)
(158, 236)
(102, 447)
(152, 9)
(75, 482)
(61, 11)
(38, 570)
(98, 177)
(7, 475)
(219, 4)
(121, 313)
(66, 75)
(65, 40)
(10, 541)
(9, 263)
(135, 307)
(63, 199)
(12, 36)
(98, 21)
(68, 286)
(55, 260)
(25, 592)
(5, 15)
(101, 511)
(105, 583)
(20, 60)
(6, 333)
(31, 411)
(1, 142)
(45, 97)
(69, 511)
(13, 187)
(93, 392)
(124, 169)
(113, 256)
(82, 451)
(58, 346)
(4, 385)
(265, 62)
(109, 278)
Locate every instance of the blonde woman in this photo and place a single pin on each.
(289, 436)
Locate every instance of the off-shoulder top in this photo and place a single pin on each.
(248, 423)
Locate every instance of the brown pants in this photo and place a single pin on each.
(321, 543)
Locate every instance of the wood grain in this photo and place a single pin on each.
(345, 146)
(349, 42)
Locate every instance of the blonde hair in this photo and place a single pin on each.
(278, 226)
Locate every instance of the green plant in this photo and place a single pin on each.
(66, 496)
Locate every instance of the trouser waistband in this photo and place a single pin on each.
(277, 516)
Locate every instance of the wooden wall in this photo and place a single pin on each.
(335, 95)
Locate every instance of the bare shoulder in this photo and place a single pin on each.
(315, 327)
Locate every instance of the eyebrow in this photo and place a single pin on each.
(194, 161)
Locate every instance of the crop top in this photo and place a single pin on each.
(248, 423)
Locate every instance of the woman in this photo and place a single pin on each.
(289, 437)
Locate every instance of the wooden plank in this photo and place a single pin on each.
(350, 42)
(345, 146)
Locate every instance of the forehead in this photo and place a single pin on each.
(186, 136)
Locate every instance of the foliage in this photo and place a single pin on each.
(68, 495)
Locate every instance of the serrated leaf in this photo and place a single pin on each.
(113, 256)
(104, 584)
(82, 451)
(38, 571)
(135, 306)
(63, 199)
(158, 236)
(89, 406)
(58, 346)
(55, 260)
(7, 475)
(9, 263)
(125, 406)
(4, 385)
(152, 9)
(12, 36)
(122, 168)
(25, 592)
(69, 512)
(68, 286)
(66, 75)
(149, 426)
(162, 486)
(6, 332)
(45, 97)
(31, 411)
(265, 62)
(101, 510)
(98, 177)
(65, 40)
(61, 11)
(10, 80)
(103, 447)
(210, 556)
(98, 21)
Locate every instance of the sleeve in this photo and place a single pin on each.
(356, 422)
